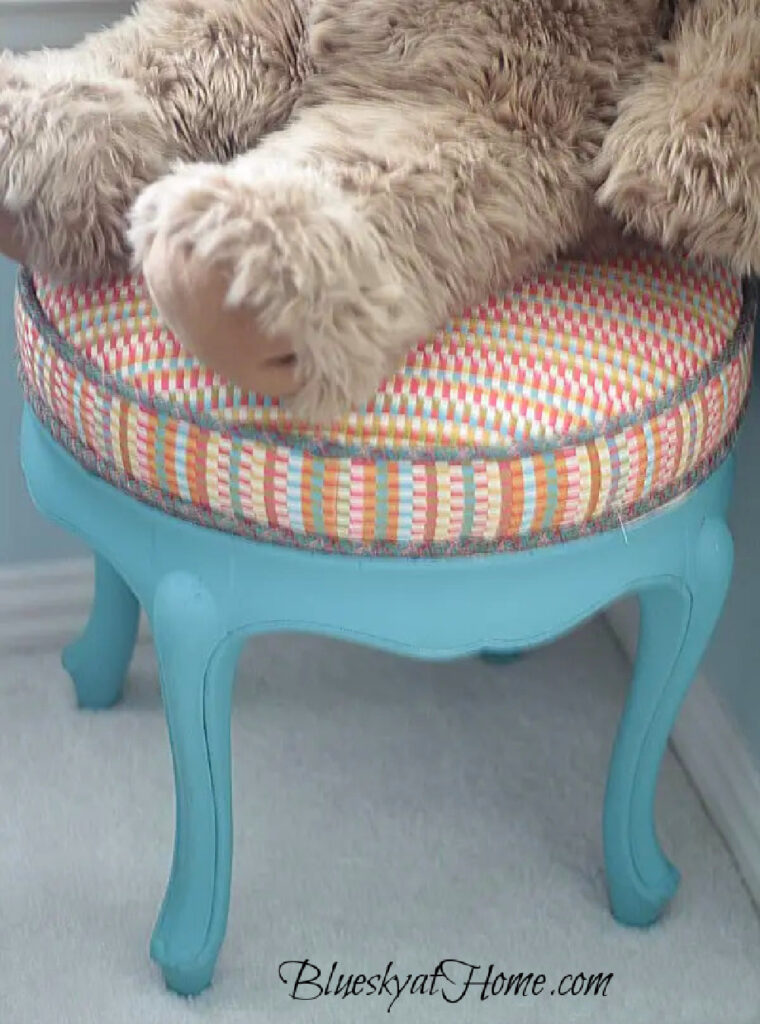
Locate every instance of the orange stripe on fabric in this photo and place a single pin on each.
(679, 452)
(369, 500)
(595, 481)
(270, 465)
(706, 440)
(561, 469)
(431, 503)
(190, 464)
(330, 497)
(124, 439)
(170, 456)
(723, 410)
(517, 497)
(659, 434)
(85, 415)
(641, 465)
(505, 510)
(539, 511)
(197, 467)
(150, 451)
(393, 501)
(307, 479)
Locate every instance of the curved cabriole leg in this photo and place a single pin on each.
(98, 661)
(197, 663)
(677, 621)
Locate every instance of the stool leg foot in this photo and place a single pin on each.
(677, 621)
(98, 661)
(197, 662)
(500, 657)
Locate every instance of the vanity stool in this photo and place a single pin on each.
(541, 456)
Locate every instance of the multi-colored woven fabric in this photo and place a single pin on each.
(587, 396)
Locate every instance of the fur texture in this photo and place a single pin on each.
(83, 131)
(355, 171)
(681, 164)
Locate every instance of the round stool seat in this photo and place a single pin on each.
(588, 395)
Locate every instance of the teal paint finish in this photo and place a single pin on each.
(206, 591)
(113, 625)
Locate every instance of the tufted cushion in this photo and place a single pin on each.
(585, 397)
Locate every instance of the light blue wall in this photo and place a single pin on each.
(30, 24)
(24, 25)
(23, 534)
(733, 664)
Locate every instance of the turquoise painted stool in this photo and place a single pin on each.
(94, 437)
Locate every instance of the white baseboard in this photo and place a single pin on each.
(45, 606)
(715, 756)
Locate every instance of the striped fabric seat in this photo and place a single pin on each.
(587, 396)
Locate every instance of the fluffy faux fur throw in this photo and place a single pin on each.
(311, 186)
